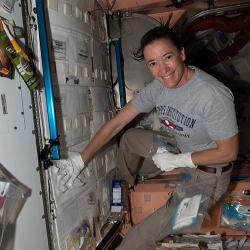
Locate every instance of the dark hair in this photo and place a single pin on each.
(159, 32)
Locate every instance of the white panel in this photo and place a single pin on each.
(99, 166)
(65, 18)
(53, 4)
(72, 215)
(78, 13)
(67, 9)
(100, 99)
(100, 63)
(74, 205)
(103, 196)
(81, 109)
(101, 106)
(18, 154)
(110, 158)
(71, 51)
(99, 26)
(60, 194)
(11, 106)
(99, 118)
(73, 117)
(105, 161)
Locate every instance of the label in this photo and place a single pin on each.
(117, 196)
(59, 49)
(22, 67)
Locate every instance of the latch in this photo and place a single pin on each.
(46, 151)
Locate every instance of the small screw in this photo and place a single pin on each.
(15, 127)
(22, 113)
(19, 87)
(30, 106)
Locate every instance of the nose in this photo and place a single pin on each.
(163, 67)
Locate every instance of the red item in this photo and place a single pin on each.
(2, 201)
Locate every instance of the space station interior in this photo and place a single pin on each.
(67, 68)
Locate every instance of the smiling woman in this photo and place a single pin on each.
(164, 56)
(166, 63)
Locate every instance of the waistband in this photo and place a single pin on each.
(213, 170)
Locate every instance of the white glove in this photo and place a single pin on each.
(167, 161)
(69, 169)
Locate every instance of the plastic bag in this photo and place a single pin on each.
(81, 238)
(235, 212)
(190, 202)
(13, 195)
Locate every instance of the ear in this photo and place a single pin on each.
(183, 54)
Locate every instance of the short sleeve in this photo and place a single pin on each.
(145, 101)
(219, 115)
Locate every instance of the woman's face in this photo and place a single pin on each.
(166, 63)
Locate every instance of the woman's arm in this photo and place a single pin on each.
(226, 151)
(109, 130)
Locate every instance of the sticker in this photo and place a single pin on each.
(82, 51)
(59, 49)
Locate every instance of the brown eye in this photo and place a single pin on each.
(152, 64)
(167, 58)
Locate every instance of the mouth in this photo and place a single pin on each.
(167, 76)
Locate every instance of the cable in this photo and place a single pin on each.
(113, 4)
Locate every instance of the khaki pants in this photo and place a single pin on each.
(135, 146)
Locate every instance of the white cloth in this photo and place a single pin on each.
(167, 161)
(69, 169)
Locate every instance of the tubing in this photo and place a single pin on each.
(55, 151)
(240, 41)
(117, 44)
(239, 24)
(224, 24)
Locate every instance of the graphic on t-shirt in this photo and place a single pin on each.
(176, 120)
(170, 124)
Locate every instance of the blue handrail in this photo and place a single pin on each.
(120, 74)
(55, 151)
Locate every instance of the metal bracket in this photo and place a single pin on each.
(46, 152)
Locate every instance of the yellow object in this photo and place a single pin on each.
(4, 71)
(14, 43)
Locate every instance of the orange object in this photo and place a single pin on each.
(148, 197)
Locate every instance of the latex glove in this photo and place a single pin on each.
(167, 161)
(69, 169)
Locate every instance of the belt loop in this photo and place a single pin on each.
(218, 171)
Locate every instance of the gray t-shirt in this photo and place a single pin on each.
(197, 113)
